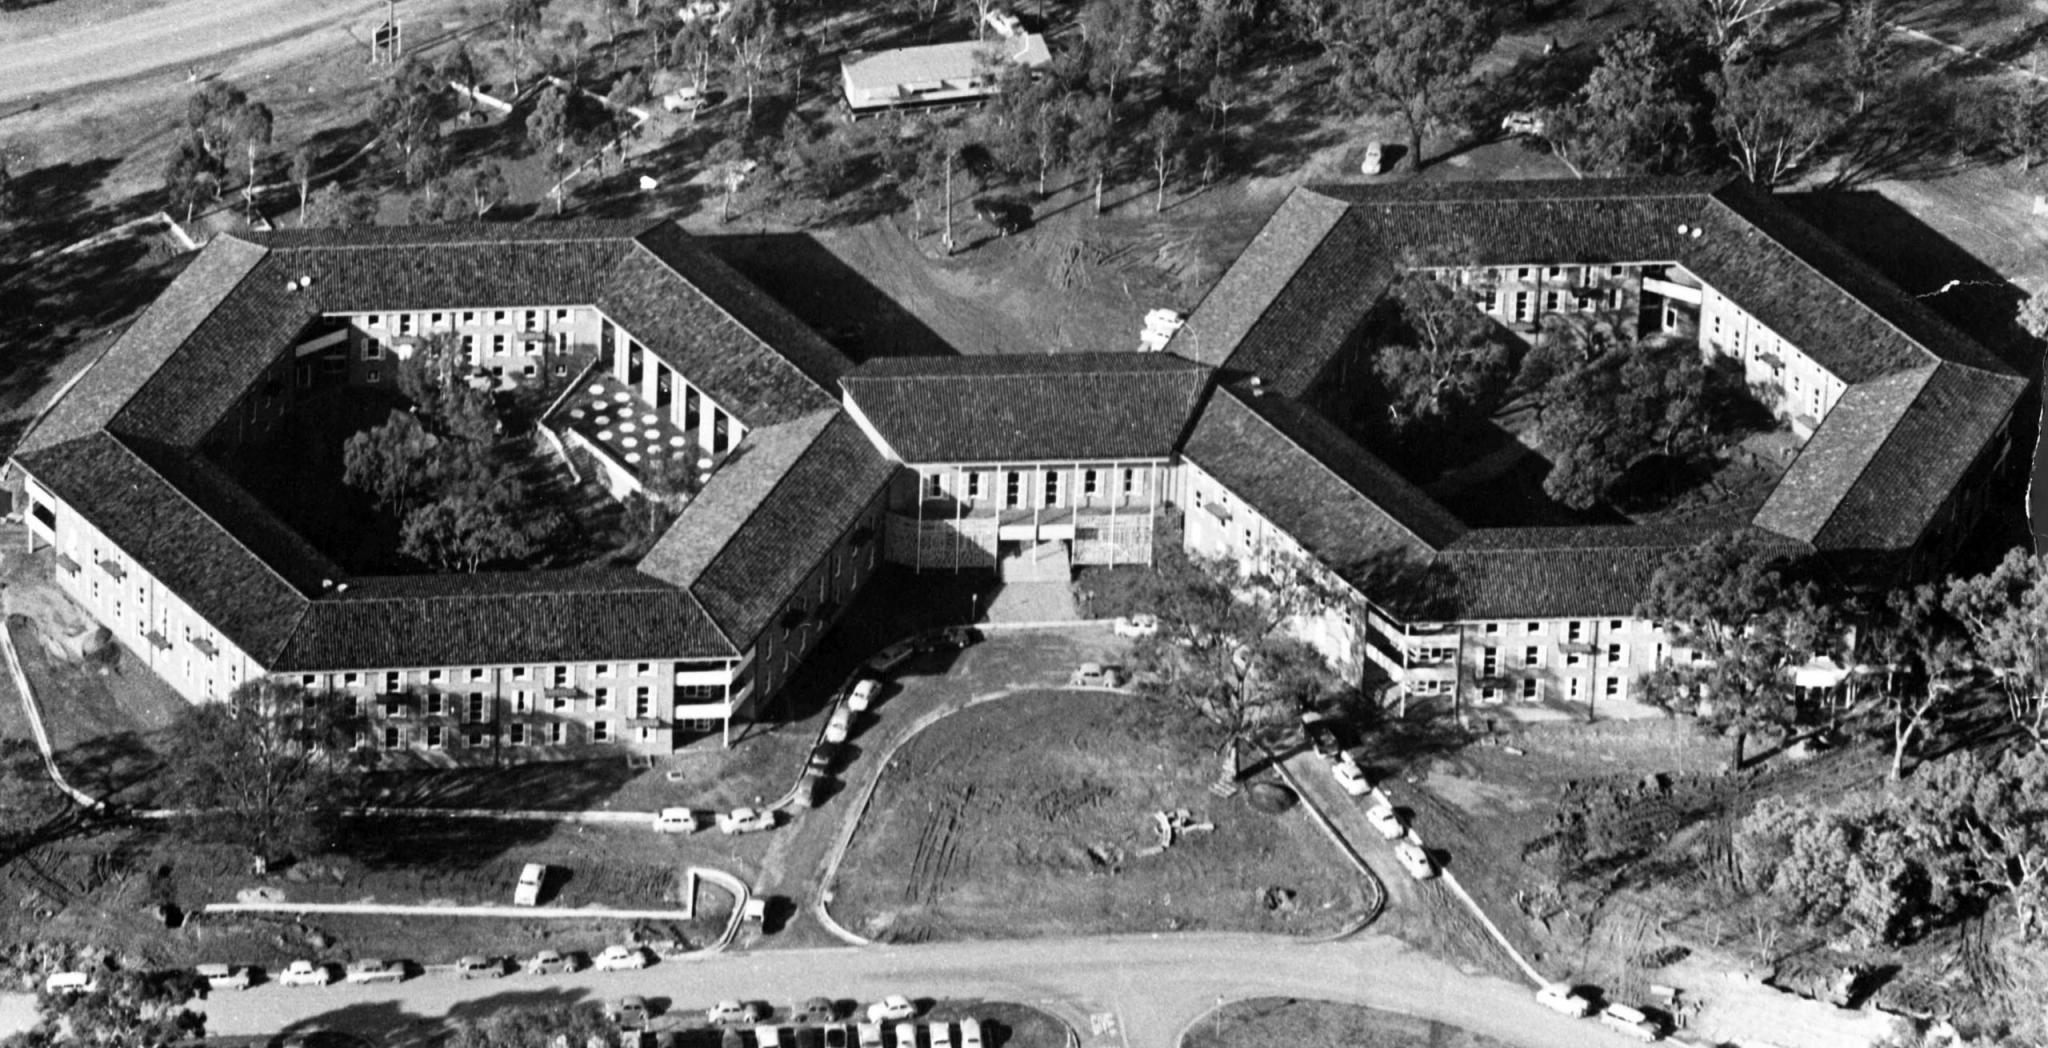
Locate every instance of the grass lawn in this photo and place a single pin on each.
(1284, 1022)
(1027, 816)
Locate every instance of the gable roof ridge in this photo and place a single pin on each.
(1738, 187)
(1438, 194)
(163, 366)
(1265, 308)
(1891, 432)
(781, 477)
(1232, 391)
(773, 350)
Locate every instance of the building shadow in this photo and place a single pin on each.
(806, 278)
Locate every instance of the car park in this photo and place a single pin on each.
(970, 1033)
(1386, 820)
(1415, 860)
(892, 656)
(477, 966)
(1135, 625)
(746, 820)
(863, 695)
(550, 962)
(620, 958)
(224, 976)
(870, 1034)
(69, 982)
(305, 973)
(530, 879)
(627, 1013)
(733, 1013)
(892, 1008)
(1630, 1021)
(678, 820)
(372, 970)
(840, 726)
(1560, 997)
(814, 1010)
(1351, 777)
(1095, 675)
(906, 1035)
(767, 1037)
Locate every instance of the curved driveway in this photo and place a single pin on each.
(1153, 985)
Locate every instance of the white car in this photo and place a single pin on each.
(863, 694)
(1350, 776)
(1135, 625)
(839, 726)
(1560, 997)
(1415, 860)
(620, 958)
(1630, 1021)
(893, 1008)
(677, 820)
(682, 100)
(305, 973)
(69, 982)
(372, 970)
(223, 976)
(733, 1013)
(527, 892)
(1522, 122)
(970, 1033)
(1386, 820)
(746, 820)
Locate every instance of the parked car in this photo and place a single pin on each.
(870, 1034)
(864, 694)
(1135, 625)
(814, 1010)
(835, 1035)
(746, 820)
(970, 1033)
(683, 99)
(906, 1035)
(477, 966)
(892, 656)
(627, 1013)
(768, 1037)
(224, 976)
(1560, 997)
(733, 1013)
(620, 958)
(71, 982)
(550, 962)
(1415, 860)
(1350, 776)
(1385, 819)
(892, 1008)
(372, 970)
(1631, 1021)
(1522, 122)
(952, 638)
(1321, 737)
(1095, 675)
(940, 1034)
(678, 820)
(840, 726)
(824, 755)
(530, 880)
(305, 973)
(1006, 215)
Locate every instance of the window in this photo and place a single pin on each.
(561, 314)
(558, 702)
(532, 319)
(391, 680)
(373, 320)
(349, 679)
(1552, 302)
(1574, 631)
(1532, 656)
(558, 733)
(521, 701)
(1013, 495)
(515, 733)
(1572, 688)
(405, 323)
(497, 316)
(1532, 689)
(1493, 627)
(643, 701)
(373, 377)
(1612, 688)
(700, 693)
(1615, 653)
(393, 738)
(1130, 482)
(476, 706)
(601, 731)
(437, 704)
(1523, 273)
(1091, 484)
(477, 738)
(646, 734)
(530, 370)
(469, 316)
(1571, 658)
(1489, 693)
(973, 486)
(1535, 627)
(1522, 303)
(1613, 624)
(434, 676)
(561, 676)
(305, 679)
(934, 486)
(1489, 663)
(604, 698)
(642, 669)
(518, 673)
(498, 344)
(434, 736)
(604, 669)
(1052, 487)
(373, 349)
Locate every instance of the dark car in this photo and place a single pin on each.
(1008, 216)
(952, 638)
(628, 1013)
(814, 1010)
(1322, 736)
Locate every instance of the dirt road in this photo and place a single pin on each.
(1133, 992)
(174, 35)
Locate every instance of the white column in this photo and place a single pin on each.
(679, 400)
(705, 413)
(619, 350)
(650, 376)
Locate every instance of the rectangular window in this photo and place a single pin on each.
(1571, 658)
(532, 319)
(1493, 627)
(521, 702)
(558, 702)
(934, 486)
(498, 344)
(643, 701)
(1535, 627)
(561, 314)
(391, 680)
(515, 733)
(405, 323)
(1532, 656)
(1013, 495)
(393, 738)
(1489, 663)
(476, 706)
(305, 679)
(1612, 688)
(601, 731)
(476, 673)
(373, 320)
(1615, 653)
(1489, 693)
(604, 698)
(1531, 689)
(561, 676)
(1574, 631)
(1052, 487)
(604, 669)
(973, 486)
(518, 673)
(497, 316)
(373, 349)
(558, 734)
(436, 704)
(349, 679)
(1613, 624)
(642, 669)
(1130, 482)
(469, 316)
(434, 736)
(1091, 484)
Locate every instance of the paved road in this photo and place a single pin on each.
(1153, 985)
(175, 35)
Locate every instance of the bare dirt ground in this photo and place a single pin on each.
(1032, 816)
(1277, 1022)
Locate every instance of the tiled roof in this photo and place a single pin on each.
(767, 517)
(1537, 573)
(217, 576)
(1249, 287)
(1026, 408)
(522, 617)
(1342, 504)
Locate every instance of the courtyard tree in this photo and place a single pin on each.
(1866, 59)
(1857, 864)
(1741, 605)
(1774, 121)
(466, 530)
(521, 19)
(459, 67)
(547, 127)
(480, 188)
(1412, 58)
(253, 128)
(260, 770)
(2016, 115)
(727, 159)
(1638, 111)
(393, 462)
(1444, 359)
(332, 207)
(2005, 615)
(757, 49)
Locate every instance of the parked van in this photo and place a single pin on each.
(677, 820)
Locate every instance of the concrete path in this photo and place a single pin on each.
(1129, 992)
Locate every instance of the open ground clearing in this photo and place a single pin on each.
(1285, 1022)
(1032, 816)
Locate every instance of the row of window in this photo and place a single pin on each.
(1533, 657)
(501, 346)
(527, 319)
(1051, 488)
(440, 737)
(559, 674)
(1530, 689)
(1574, 629)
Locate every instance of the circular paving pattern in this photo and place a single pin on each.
(596, 390)
(632, 456)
